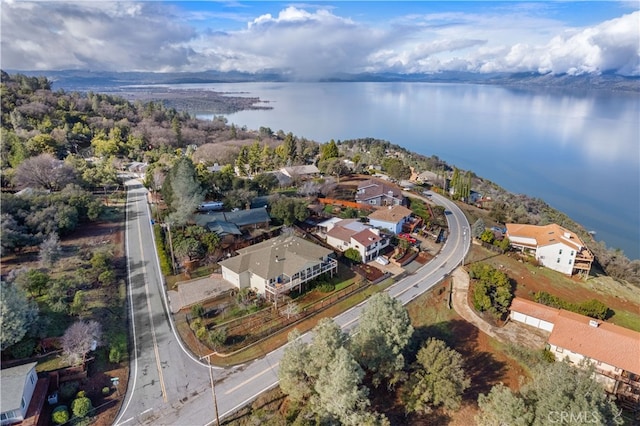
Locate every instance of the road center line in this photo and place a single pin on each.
(153, 328)
(235, 388)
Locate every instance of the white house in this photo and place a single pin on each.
(553, 246)
(614, 351)
(277, 265)
(16, 389)
(391, 218)
(377, 193)
(343, 234)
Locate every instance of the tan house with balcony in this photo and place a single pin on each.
(553, 246)
(278, 265)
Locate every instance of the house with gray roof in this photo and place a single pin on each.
(278, 265)
(343, 234)
(16, 389)
(305, 171)
(234, 222)
(377, 193)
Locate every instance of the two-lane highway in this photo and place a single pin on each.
(162, 374)
(169, 386)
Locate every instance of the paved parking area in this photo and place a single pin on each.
(197, 291)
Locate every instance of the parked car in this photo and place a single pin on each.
(407, 237)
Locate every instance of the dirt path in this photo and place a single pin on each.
(510, 333)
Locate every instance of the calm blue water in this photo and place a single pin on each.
(579, 151)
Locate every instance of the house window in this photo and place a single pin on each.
(572, 252)
(8, 415)
(22, 403)
(570, 261)
(372, 201)
(33, 378)
(558, 261)
(560, 252)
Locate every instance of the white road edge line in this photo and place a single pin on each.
(133, 324)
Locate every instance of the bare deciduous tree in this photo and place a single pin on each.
(290, 309)
(80, 338)
(44, 171)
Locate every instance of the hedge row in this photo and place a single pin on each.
(165, 263)
(592, 308)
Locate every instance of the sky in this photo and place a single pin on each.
(315, 39)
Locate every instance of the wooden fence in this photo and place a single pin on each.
(344, 203)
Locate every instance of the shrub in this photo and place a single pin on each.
(325, 287)
(23, 349)
(201, 333)
(217, 337)
(197, 311)
(106, 390)
(107, 277)
(548, 356)
(196, 324)
(68, 390)
(60, 415)
(81, 406)
(117, 348)
(593, 308)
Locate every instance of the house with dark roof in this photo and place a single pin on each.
(17, 385)
(391, 218)
(343, 234)
(377, 193)
(234, 222)
(278, 265)
(553, 246)
(613, 351)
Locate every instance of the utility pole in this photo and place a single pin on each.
(213, 389)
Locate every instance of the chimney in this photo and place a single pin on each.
(567, 235)
(594, 323)
(277, 258)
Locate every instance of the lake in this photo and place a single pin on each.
(577, 150)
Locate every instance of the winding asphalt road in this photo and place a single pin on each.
(167, 384)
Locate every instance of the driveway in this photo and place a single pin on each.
(197, 291)
(512, 332)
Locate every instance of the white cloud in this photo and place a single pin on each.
(310, 41)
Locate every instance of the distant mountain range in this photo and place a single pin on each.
(82, 80)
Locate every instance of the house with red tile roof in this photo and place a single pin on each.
(553, 246)
(614, 351)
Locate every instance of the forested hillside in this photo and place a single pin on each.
(52, 139)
